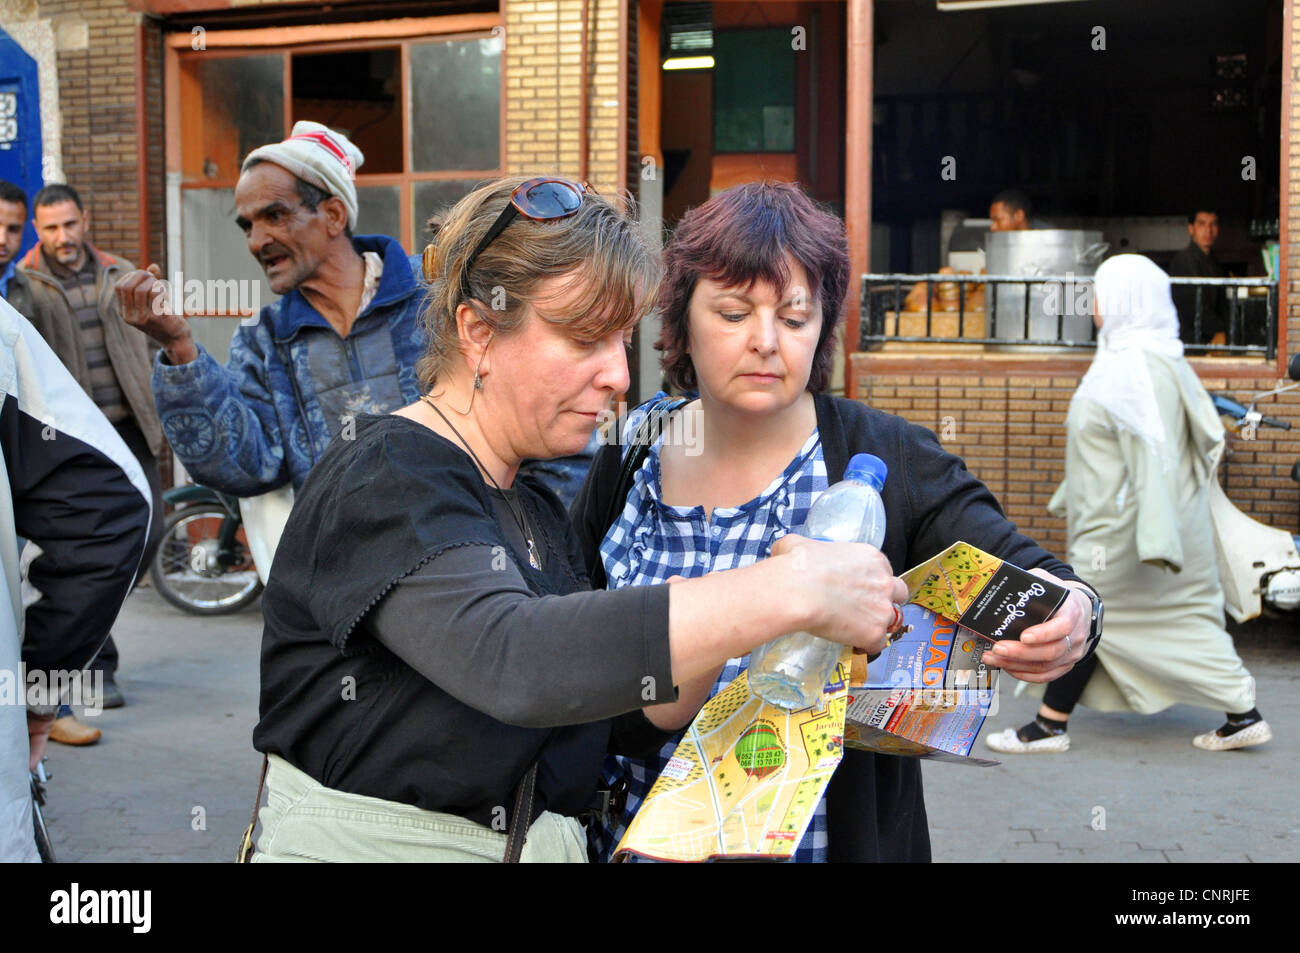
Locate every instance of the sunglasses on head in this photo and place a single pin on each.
(542, 200)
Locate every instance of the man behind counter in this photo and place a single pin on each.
(1197, 261)
(1010, 211)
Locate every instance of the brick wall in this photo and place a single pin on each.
(155, 158)
(97, 99)
(544, 98)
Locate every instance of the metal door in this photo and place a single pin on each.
(20, 123)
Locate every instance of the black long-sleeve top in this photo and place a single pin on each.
(412, 654)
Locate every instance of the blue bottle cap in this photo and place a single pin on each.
(867, 468)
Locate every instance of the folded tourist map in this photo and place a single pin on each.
(747, 776)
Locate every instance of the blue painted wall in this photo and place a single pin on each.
(20, 123)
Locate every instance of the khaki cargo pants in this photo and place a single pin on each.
(306, 822)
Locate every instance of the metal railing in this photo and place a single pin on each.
(1046, 311)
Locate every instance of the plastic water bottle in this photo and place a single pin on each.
(791, 671)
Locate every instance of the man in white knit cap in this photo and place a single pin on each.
(343, 339)
(322, 167)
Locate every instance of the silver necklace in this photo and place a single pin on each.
(520, 520)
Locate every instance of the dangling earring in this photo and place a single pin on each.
(478, 385)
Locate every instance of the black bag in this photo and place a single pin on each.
(638, 447)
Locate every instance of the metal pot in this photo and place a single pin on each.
(1042, 251)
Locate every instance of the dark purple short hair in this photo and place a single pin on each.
(742, 236)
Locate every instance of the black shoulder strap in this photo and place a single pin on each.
(831, 427)
(522, 817)
(638, 447)
(246, 846)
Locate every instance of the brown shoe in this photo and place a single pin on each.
(68, 731)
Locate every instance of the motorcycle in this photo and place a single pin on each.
(203, 564)
(1259, 565)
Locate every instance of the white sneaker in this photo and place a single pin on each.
(1256, 734)
(1006, 742)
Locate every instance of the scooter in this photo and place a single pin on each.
(1259, 565)
(203, 564)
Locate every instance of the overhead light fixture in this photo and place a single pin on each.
(686, 29)
(950, 5)
(689, 62)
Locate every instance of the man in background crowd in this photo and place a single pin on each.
(343, 339)
(1010, 211)
(13, 219)
(64, 286)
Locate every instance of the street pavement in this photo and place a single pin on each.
(174, 776)
(1132, 788)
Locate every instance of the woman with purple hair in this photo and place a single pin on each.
(755, 280)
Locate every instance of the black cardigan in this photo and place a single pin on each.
(875, 803)
(341, 705)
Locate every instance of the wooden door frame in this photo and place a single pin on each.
(380, 34)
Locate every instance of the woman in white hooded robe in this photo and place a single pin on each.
(1143, 443)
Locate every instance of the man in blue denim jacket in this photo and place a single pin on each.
(344, 338)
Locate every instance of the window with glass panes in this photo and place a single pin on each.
(425, 112)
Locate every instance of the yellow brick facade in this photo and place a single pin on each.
(544, 94)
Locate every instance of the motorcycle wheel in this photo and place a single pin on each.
(185, 570)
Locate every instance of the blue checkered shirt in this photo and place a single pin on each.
(651, 541)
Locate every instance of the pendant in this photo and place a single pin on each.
(532, 556)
